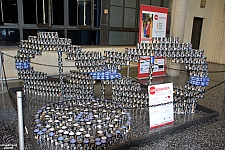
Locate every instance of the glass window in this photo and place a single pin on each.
(129, 18)
(10, 11)
(84, 37)
(116, 15)
(73, 12)
(33, 32)
(58, 12)
(130, 3)
(97, 13)
(116, 2)
(28, 32)
(1, 14)
(42, 11)
(9, 37)
(146, 2)
(121, 38)
(155, 2)
(167, 3)
(29, 11)
(84, 13)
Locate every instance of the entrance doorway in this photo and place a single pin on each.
(196, 32)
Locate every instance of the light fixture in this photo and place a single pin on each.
(202, 4)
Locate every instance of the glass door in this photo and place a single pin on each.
(42, 12)
(85, 13)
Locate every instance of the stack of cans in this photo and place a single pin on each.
(81, 124)
(49, 41)
(128, 93)
(106, 75)
(22, 63)
(87, 61)
(194, 61)
(116, 60)
(199, 81)
(41, 87)
(35, 82)
(72, 50)
(61, 83)
(151, 67)
(80, 85)
(93, 66)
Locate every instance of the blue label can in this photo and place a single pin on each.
(152, 59)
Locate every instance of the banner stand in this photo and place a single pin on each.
(152, 23)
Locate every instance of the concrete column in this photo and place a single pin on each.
(66, 17)
(20, 17)
(178, 18)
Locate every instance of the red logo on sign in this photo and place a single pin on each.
(156, 17)
(152, 90)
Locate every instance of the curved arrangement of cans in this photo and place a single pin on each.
(185, 98)
(81, 124)
(94, 65)
(73, 114)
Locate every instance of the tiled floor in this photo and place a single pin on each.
(210, 135)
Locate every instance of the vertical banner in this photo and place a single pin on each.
(161, 105)
(153, 23)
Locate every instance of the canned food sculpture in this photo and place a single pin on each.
(89, 64)
(77, 120)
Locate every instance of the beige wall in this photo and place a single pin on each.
(50, 58)
(213, 28)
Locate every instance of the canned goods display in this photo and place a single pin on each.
(92, 66)
(128, 93)
(194, 60)
(73, 124)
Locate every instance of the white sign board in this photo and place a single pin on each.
(162, 96)
(161, 115)
(160, 93)
(144, 64)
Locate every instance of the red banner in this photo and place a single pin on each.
(153, 23)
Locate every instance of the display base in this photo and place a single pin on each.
(140, 128)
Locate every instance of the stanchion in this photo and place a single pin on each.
(128, 71)
(20, 119)
(1, 74)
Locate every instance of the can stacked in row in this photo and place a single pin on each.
(79, 85)
(128, 93)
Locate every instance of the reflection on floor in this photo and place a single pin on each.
(210, 135)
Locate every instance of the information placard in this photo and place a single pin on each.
(153, 23)
(144, 64)
(161, 104)
(160, 93)
(161, 115)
